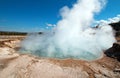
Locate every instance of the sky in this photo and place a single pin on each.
(38, 15)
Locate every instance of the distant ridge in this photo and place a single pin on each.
(116, 27)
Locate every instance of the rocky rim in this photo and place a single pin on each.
(15, 65)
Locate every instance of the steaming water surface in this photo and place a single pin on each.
(59, 55)
(73, 36)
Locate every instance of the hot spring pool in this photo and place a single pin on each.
(59, 55)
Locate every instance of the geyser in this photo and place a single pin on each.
(73, 36)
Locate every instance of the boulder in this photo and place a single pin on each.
(114, 51)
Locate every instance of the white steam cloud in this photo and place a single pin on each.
(73, 37)
(50, 25)
(109, 20)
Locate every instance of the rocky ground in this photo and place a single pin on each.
(15, 65)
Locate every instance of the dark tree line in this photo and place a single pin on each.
(16, 33)
(12, 33)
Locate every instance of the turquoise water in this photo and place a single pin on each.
(84, 56)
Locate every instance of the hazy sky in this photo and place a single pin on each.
(34, 15)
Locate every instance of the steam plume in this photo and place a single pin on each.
(73, 37)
